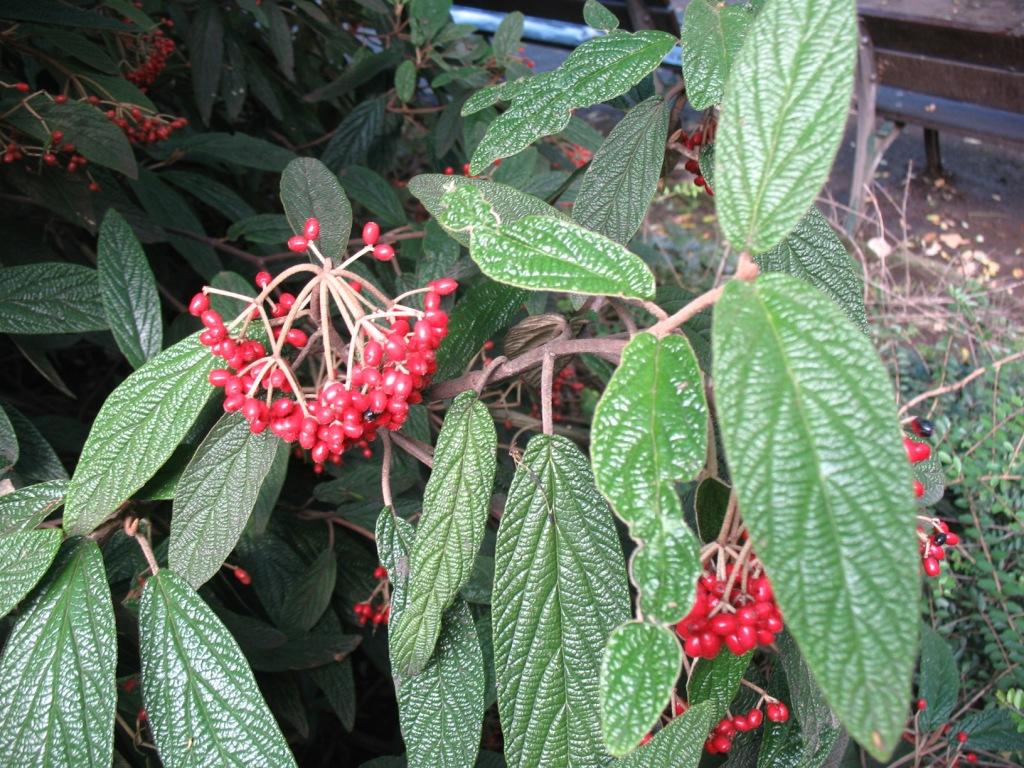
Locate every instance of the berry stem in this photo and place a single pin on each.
(131, 528)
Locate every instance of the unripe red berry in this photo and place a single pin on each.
(297, 244)
(262, 279)
(311, 229)
(383, 252)
(371, 232)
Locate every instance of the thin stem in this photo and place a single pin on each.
(418, 450)
(546, 374)
(131, 528)
(385, 471)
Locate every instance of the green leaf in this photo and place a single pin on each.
(717, 680)
(638, 674)
(456, 506)
(710, 506)
(52, 12)
(27, 507)
(280, 39)
(239, 149)
(509, 203)
(264, 228)
(598, 70)
(356, 134)
(508, 36)
(939, 682)
(599, 17)
(544, 253)
(814, 253)
(620, 183)
(680, 744)
(361, 71)
(559, 590)
(783, 117)
(206, 44)
(220, 197)
(405, 81)
(8, 444)
(994, 729)
(793, 371)
(24, 558)
(136, 431)
(712, 36)
(128, 290)
(266, 500)
(57, 693)
(440, 709)
(375, 193)
(215, 495)
(52, 297)
(487, 308)
(336, 681)
(37, 461)
(427, 17)
(309, 595)
(200, 695)
(650, 430)
(310, 190)
(81, 48)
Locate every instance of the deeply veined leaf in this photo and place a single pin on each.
(136, 431)
(441, 709)
(24, 558)
(650, 430)
(814, 252)
(375, 193)
(27, 507)
(679, 744)
(509, 203)
(819, 726)
(52, 297)
(128, 290)
(310, 190)
(203, 704)
(598, 70)
(215, 496)
(638, 674)
(559, 590)
(994, 729)
(545, 253)
(456, 505)
(712, 36)
(620, 183)
(783, 117)
(791, 372)
(57, 693)
(716, 680)
(486, 309)
(939, 682)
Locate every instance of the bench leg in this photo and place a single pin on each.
(865, 90)
(932, 152)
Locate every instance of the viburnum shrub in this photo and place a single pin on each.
(482, 482)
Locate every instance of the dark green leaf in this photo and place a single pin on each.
(335, 680)
(53, 297)
(375, 193)
(27, 507)
(280, 39)
(939, 682)
(266, 228)
(8, 444)
(52, 12)
(717, 680)
(221, 198)
(680, 744)
(360, 71)
(206, 45)
(994, 729)
(309, 189)
(405, 80)
(427, 17)
(712, 36)
(309, 595)
(710, 505)
(356, 133)
(37, 461)
(239, 149)
(24, 558)
(486, 308)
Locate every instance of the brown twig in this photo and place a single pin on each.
(745, 270)
(385, 471)
(958, 385)
(546, 375)
(418, 450)
(131, 528)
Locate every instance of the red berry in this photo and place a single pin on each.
(94, 186)
(243, 576)
(142, 716)
(60, 99)
(754, 718)
(918, 489)
(931, 566)
(921, 705)
(961, 736)
(371, 231)
(777, 712)
(311, 229)
(296, 337)
(449, 171)
(444, 286)
(262, 279)
(952, 539)
(23, 87)
(380, 572)
(211, 318)
(916, 451)
(383, 252)
(971, 757)
(297, 244)
(646, 739)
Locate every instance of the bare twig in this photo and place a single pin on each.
(418, 450)
(546, 375)
(958, 385)
(131, 528)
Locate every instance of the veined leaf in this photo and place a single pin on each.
(266, 228)
(819, 727)
(128, 290)
(204, 705)
(37, 461)
(559, 590)
(8, 444)
(355, 135)
(440, 709)
(712, 36)
(405, 81)
(239, 149)
(599, 17)
(544, 253)
(310, 189)
(375, 193)
(679, 744)
(783, 117)
(456, 505)
(638, 674)
(57, 693)
(939, 682)
(53, 297)
(508, 35)
(618, 187)
(206, 42)
(215, 496)
(27, 507)
(309, 594)
(486, 309)
(136, 431)
(716, 680)
(814, 253)
(24, 558)
(790, 373)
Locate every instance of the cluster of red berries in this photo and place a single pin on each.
(450, 171)
(698, 178)
(693, 143)
(143, 129)
(578, 156)
(930, 545)
(389, 359)
(719, 741)
(741, 620)
(154, 49)
(368, 612)
(919, 451)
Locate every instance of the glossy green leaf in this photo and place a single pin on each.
(52, 297)
(486, 309)
(791, 372)
(712, 36)
(509, 203)
(136, 431)
(819, 728)
(405, 80)
(24, 558)
(310, 189)
(215, 496)
(57, 691)
(783, 117)
(441, 708)
(620, 183)
(814, 253)
(680, 744)
(309, 595)
(27, 507)
(599, 17)
(559, 590)
(37, 461)
(456, 506)
(717, 680)
(639, 670)
(939, 682)
(375, 193)
(206, 44)
(993, 729)
(204, 705)
(355, 135)
(128, 290)
(544, 253)
(598, 70)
